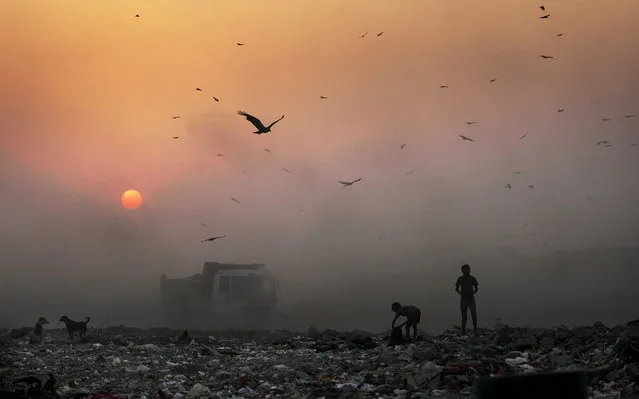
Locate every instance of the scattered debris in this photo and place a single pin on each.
(126, 362)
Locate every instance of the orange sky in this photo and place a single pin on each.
(88, 91)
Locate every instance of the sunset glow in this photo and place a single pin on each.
(131, 199)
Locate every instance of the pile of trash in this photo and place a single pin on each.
(316, 364)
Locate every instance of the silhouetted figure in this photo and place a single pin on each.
(413, 316)
(467, 287)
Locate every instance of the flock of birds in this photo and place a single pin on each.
(264, 129)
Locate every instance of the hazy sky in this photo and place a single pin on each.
(88, 92)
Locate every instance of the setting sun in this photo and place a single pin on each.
(131, 199)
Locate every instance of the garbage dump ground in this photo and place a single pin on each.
(131, 363)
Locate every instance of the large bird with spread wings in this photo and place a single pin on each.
(261, 129)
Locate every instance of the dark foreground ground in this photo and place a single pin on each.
(135, 363)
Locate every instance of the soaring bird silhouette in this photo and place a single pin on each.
(410, 172)
(630, 116)
(470, 122)
(531, 186)
(603, 142)
(547, 57)
(261, 129)
(323, 97)
(364, 35)
(606, 119)
(508, 186)
(443, 87)
(176, 117)
(545, 16)
(137, 15)
(349, 183)
(235, 200)
(175, 137)
(286, 170)
(198, 89)
(401, 147)
(524, 136)
(204, 224)
(267, 150)
(590, 198)
(213, 238)
(493, 80)
(517, 173)
(542, 8)
(466, 138)
(239, 44)
(559, 34)
(217, 100)
(379, 34)
(560, 110)
(632, 145)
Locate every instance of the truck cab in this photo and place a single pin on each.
(232, 291)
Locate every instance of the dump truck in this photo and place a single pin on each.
(222, 296)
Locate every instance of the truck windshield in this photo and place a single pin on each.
(253, 287)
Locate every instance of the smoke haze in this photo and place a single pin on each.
(87, 94)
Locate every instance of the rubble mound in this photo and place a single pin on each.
(162, 363)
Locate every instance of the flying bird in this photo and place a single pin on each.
(466, 138)
(508, 186)
(217, 100)
(379, 34)
(443, 87)
(470, 123)
(560, 110)
(364, 35)
(267, 150)
(204, 224)
(213, 238)
(632, 145)
(590, 198)
(543, 8)
(137, 15)
(517, 173)
(300, 210)
(606, 119)
(220, 155)
(257, 123)
(559, 34)
(349, 183)
(630, 116)
(547, 57)
(608, 145)
(545, 16)
(176, 117)
(493, 80)
(286, 170)
(524, 136)
(175, 137)
(411, 172)
(531, 186)
(198, 89)
(401, 147)
(323, 97)
(239, 44)
(235, 200)
(603, 142)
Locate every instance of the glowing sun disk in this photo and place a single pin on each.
(131, 199)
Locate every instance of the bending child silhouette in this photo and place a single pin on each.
(467, 287)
